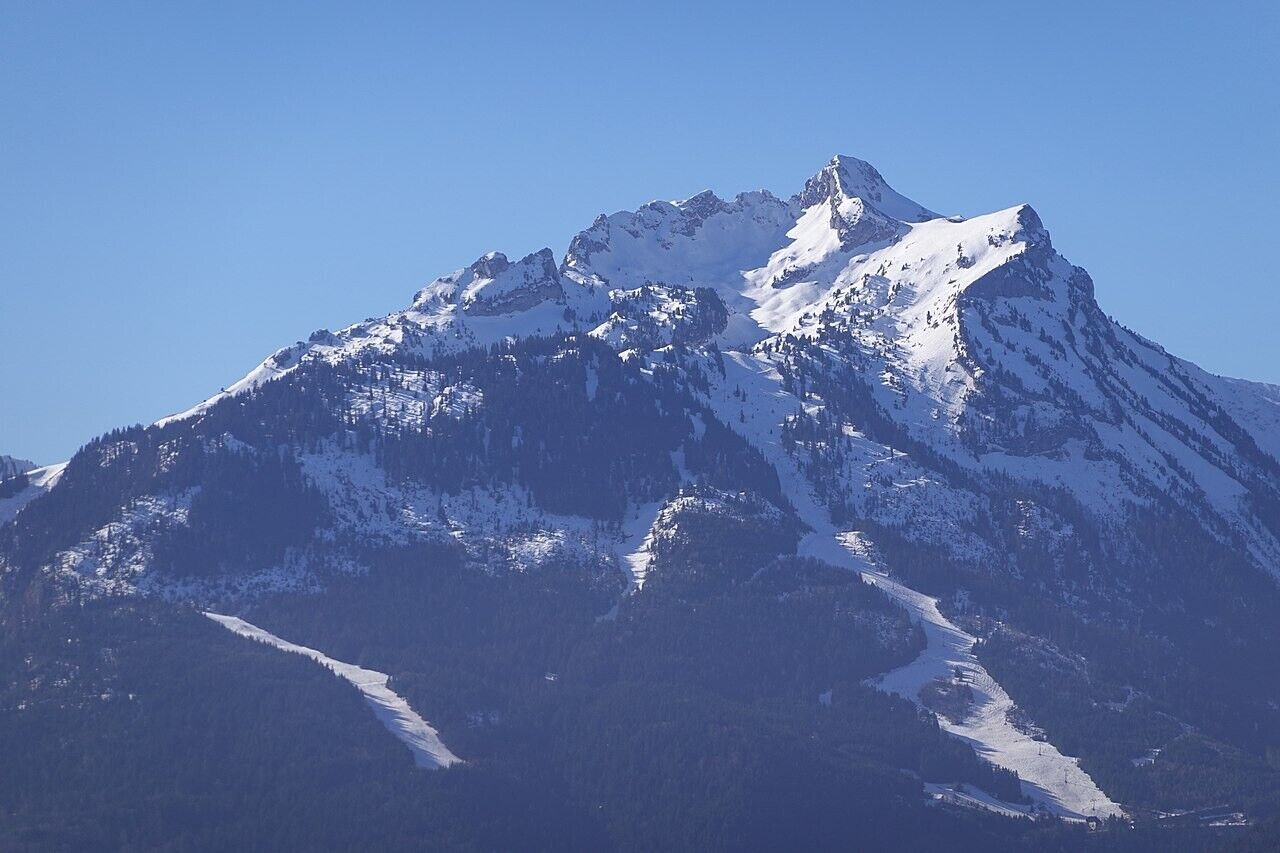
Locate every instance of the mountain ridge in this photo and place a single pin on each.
(927, 290)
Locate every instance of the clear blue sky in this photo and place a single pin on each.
(185, 187)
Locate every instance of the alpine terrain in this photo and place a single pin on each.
(823, 521)
(11, 467)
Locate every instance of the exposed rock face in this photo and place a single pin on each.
(848, 178)
(500, 287)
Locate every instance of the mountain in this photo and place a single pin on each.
(809, 502)
(12, 467)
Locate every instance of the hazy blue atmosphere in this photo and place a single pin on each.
(186, 187)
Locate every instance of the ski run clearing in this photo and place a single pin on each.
(635, 550)
(390, 708)
(1050, 779)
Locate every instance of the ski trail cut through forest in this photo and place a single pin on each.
(1049, 778)
(391, 709)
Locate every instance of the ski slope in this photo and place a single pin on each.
(1048, 777)
(635, 549)
(429, 752)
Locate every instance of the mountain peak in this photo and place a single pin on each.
(490, 265)
(497, 286)
(848, 177)
(1031, 229)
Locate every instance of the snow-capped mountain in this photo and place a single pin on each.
(701, 396)
(973, 335)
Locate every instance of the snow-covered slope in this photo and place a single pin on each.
(39, 481)
(700, 241)
(489, 301)
(974, 334)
